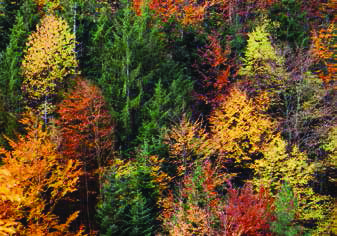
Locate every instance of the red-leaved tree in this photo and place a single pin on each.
(247, 213)
(85, 134)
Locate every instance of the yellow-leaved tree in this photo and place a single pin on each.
(239, 129)
(329, 165)
(33, 180)
(186, 141)
(279, 166)
(262, 65)
(49, 59)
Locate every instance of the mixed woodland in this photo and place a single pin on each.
(168, 117)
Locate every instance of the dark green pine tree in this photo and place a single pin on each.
(10, 74)
(132, 60)
(82, 17)
(127, 68)
(128, 201)
(140, 218)
(8, 11)
(169, 101)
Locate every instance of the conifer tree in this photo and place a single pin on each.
(132, 60)
(124, 75)
(8, 11)
(168, 102)
(286, 205)
(10, 73)
(127, 202)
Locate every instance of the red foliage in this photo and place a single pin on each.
(215, 77)
(187, 12)
(247, 213)
(84, 123)
(85, 127)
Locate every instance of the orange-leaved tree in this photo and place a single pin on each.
(49, 59)
(186, 12)
(33, 180)
(85, 124)
(324, 49)
(247, 213)
(196, 209)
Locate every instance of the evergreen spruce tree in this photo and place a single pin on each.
(8, 11)
(169, 101)
(124, 74)
(127, 205)
(10, 74)
(132, 60)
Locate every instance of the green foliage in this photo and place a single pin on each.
(10, 73)
(127, 201)
(286, 206)
(124, 75)
(82, 17)
(131, 61)
(169, 101)
(8, 10)
(294, 26)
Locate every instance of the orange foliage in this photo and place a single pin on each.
(186, 142)
(196, 210)
(324, 48)
(85, 131)
(186, 12)
(33, 179)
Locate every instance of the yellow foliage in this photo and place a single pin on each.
(238, 128)
(49, 58)
(33, 179)
(278, 166)
(331, 161)
(186, 140)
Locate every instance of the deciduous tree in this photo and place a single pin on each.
(49, 60)
(238, 127)
(33, 180)
(295, 168)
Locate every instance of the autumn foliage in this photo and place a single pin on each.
(33, 180)
(215, 79)
(239, 128)
(247, 213)
(85, 125)
(324, 49)
(186, 12)
(49, 60)
(168, 117)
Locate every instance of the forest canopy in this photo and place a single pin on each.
(168, 117)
